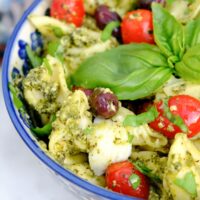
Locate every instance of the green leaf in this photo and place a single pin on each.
(146, 171)
(45, 130)
(17, 102)
(35, 60)
(131, 71)
(107, 32)
(189, 67)
(192, 31)
(135, 181)
(143, 118)
(168, 32)
(175, 119)
(130, 138)
(53, 47)
(188, 184)
(47, 65)
(57, 31)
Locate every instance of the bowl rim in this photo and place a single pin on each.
(53, 165)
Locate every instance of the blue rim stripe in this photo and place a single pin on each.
(25, 136)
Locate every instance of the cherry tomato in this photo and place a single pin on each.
(121, 176)
(186, 107)
(70, 11)
(137, 26)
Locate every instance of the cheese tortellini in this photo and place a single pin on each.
(45, 87)
(182, 175)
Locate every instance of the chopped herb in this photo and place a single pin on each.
(45, 130)
(48, 66)
(57, 31)
(88, 130)
(53, 47)
(35, 60)
(143, 118)
(188, 184)
(17, 102)
(175, 119)
(146, 171)
(107, 32)
(135, 181)
(130, 138)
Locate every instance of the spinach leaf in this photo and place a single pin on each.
(192, 31)
(189, 67)
(168, 33)
(130, 71)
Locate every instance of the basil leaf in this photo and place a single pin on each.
(48, 66)
(107, 32)
(189, 68)
(131, 71)
(135, 181)
(17, 102)
(35, 60)
(175, 119)
(52, 47)
(168, 32)
(192, 31)
(45, 130)
(143, 118)
(146, 171)
(188, 184)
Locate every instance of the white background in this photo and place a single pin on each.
(22, 176)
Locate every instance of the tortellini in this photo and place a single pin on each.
(67, 136)
(108, 143)
(83, 170)
(179, 86)
(182, 175)
(142, 135)
(45, 87)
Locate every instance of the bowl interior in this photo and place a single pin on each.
(13, 62)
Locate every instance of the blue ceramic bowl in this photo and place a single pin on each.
(14, 63)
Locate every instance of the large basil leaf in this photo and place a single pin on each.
(130, 71)
(192, 31)
(189, 67)
(168, 33)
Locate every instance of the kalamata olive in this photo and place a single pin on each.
(104, 103)
(88, 92)
(103, 16)
(147, 3)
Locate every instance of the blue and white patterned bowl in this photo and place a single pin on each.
(14, 63)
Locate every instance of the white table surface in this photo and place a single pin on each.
(22, 176)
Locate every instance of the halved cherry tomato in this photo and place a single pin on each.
(70, 11)
(137, 26)
(186, 107)
(121, 176)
